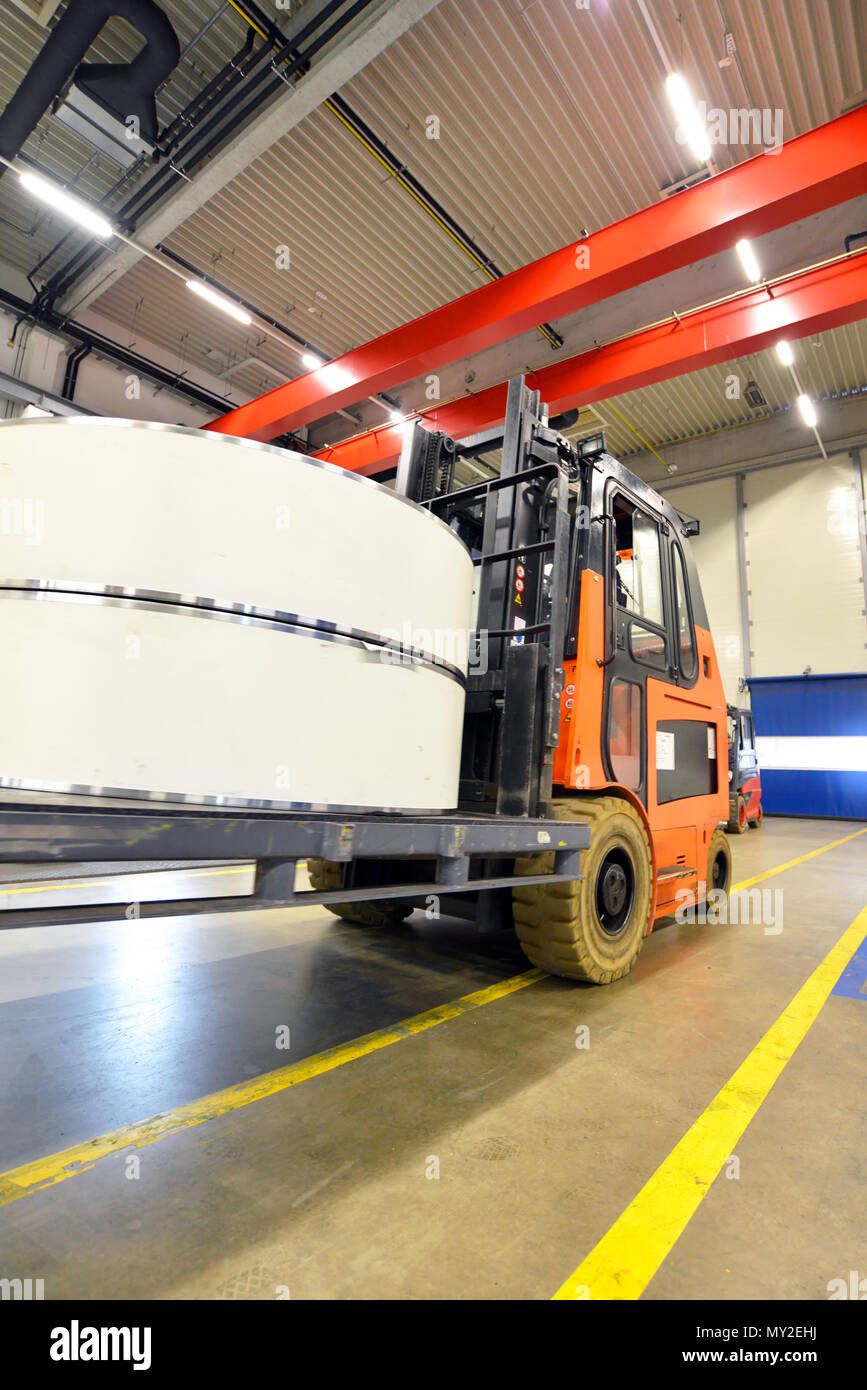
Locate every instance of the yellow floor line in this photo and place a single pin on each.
(55, 1168)
(802, 859)
(624, 1261)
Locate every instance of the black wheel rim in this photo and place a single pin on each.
(615, 891)
(720, 872)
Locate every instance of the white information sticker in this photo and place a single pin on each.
(711, 741)
(664, 751)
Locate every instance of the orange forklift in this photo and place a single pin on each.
(594, 694)
(745, 785)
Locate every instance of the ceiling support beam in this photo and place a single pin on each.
(812, 301)
(806, 175)
(12, 388)
(363, 43)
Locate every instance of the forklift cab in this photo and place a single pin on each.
(745, 788)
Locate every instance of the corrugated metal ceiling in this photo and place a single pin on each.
(551, 118)
(30, 232)
(833, 364)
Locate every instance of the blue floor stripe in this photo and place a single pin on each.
(852, 984)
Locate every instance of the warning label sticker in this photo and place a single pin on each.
(711, 741)
(664, 751)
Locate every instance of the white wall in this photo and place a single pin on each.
(804, 557)
(805, 595)
(716, 555)
(39, 359)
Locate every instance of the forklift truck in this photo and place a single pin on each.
(594, 698)
(591, 785)
(745, 786)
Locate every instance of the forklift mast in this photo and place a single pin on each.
(517, 526)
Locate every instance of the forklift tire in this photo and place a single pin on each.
(757, 819)
(590, 928)
(741, 822)
(326, 875)
(719, 863)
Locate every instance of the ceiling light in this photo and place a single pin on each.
(66, 204)
(805, 405)
(748, 260)
(692, 127)
(219, 301)
(335, 377)
(784, 352)
(311, 361)
(395, 416)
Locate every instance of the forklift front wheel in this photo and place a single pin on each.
(739, 824)
(758, 817)
(590, 928)
(719, 863)
(326, 876)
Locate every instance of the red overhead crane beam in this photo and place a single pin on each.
(814, 171)
(810, 302)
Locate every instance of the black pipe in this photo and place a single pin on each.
(190, 155)
(134, 209)
(166, 178)
(234, 71)
(237, 299)
(127, 88)
(362, 128)
(70, 376)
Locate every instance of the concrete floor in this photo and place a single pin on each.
(321, 1190)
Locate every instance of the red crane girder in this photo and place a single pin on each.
(812, 172)
(803, 304)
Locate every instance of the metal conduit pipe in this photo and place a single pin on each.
(156, 187)
(64, 49)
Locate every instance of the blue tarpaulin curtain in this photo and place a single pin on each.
(820, 722)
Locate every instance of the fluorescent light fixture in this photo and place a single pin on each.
(34, 412)
(748, 260)
(311, 361)
(784, 352)
(692, 127)
(336, 378)
(66, 204)
(219, 301)
(805, 405)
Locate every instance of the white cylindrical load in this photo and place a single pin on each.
(167, 689)
(182, 511)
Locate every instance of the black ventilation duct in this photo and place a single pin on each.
(123, 89)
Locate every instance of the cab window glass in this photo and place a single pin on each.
(638, 567)
(685, 638)
(624, 732)
(647, 645)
